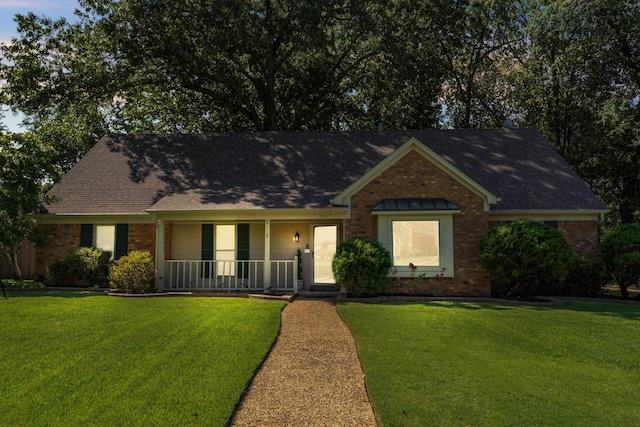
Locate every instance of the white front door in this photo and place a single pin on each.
(325, 240)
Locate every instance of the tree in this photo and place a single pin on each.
(620, 250)
(25, 167)
(194, 67)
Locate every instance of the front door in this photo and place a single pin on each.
(325, 240)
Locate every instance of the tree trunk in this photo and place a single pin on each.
(624, 292)
(12, 257)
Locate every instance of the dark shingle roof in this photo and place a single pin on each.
(129, 174)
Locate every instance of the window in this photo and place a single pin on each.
(422, 240)
(416, 242)
(109, 238)
(225, 248)
(106, 238)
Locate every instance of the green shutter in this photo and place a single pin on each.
(122, 241)
(207, 248)
(86, 235)
(242, 248)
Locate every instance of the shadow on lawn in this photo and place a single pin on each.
(605, 307)
(33, 293)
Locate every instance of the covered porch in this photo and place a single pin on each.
(220, 253)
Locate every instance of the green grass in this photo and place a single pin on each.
(82, 359)
(465, 364)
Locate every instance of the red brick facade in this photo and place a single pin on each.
(415, 176)
(64, 238)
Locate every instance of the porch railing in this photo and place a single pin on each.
(229, 275)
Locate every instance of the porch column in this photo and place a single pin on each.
(160, 254)
(267, 255)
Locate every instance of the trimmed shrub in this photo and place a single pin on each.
(59, 273)
(90, 265)
(587, 277)
(362, 266)
(525, 257)
(620, 250)
(134, 272)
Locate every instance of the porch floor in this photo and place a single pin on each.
(312, 375)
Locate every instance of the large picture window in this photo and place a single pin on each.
(416, 242)
(419, 243)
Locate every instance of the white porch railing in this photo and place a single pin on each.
(229, 275)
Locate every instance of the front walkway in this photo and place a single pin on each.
(312, 377)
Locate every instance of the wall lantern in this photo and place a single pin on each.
(296, 238)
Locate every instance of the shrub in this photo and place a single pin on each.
(134, 272)
(620, 250)
(59, 273)
(90, 265)
(587, 277)
(362, 266)
(525, 257)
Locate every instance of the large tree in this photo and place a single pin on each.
(25, 169)
(194, 66)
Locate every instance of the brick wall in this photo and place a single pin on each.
(64, 238)
(61, 240)
(415, 176)
(582, 236)
(142, 237)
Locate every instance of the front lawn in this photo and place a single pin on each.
(466, 364)
(79, 359)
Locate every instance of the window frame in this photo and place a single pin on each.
(445, 241)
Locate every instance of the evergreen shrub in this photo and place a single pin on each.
(525, 257)
(362, 266)
(134, 272)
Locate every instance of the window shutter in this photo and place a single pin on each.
(86, 235)
(207, 248)
(242, 248)
(122, 241)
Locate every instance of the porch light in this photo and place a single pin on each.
(296, 237)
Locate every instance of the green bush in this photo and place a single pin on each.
(362, 266)
(587, 277)
(620, 250)
(90, 265)
(134, 272)
(59, 273)
(525, 257)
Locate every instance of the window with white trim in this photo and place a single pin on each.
(419, 243)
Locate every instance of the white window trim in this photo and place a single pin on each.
(445, 222)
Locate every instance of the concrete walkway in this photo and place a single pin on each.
(312, 377)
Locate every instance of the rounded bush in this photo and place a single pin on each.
(362, 266)
(89, 264)
(59, 273)
(620, 250)
(525, 257)
(134, 272)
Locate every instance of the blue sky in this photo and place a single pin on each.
(8, 9)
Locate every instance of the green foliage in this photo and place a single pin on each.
(134, 272)
(620, 250)
(587, 277)
(89, 264)
(59, 273)
(25, 166)
(362, 266)
(525, 257)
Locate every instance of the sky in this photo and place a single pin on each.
(8, 9)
